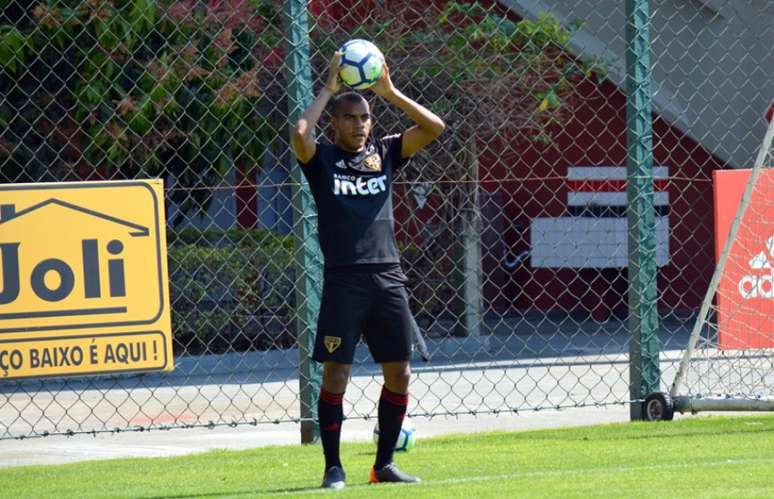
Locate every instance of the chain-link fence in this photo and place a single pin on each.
(513, 225)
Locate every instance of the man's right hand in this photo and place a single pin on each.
(334, 81)
(302, 139)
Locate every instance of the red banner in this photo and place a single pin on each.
(745, 296)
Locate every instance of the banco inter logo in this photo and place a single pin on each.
(759, 283)
(78, 258)
(354, 185)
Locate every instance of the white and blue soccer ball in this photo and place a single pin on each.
(361, 64)
(406, 438)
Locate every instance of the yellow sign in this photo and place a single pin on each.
(84, 355)
(83, 278)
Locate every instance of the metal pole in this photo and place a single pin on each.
(644, 371)
(308, 259)
(468, 298)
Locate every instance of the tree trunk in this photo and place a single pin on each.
(467, 248)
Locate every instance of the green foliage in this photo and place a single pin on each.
(502, 33)
(226, 284)
(470, 59)
(533, 56)
(12, 47)
(130, 88)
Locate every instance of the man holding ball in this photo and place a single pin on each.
(364, 291)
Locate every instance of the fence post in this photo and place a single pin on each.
(468, 301)
(308, 259)
(644, 372)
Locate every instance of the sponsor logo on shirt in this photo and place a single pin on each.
(350, 185)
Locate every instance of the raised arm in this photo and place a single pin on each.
(302, 139)
(428, 125)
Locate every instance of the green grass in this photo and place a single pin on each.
(696, 457)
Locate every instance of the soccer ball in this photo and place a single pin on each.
(361, 64)
(406, 438)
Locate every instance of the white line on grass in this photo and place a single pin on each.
(560, 472)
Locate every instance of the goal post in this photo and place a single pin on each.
(728, 364)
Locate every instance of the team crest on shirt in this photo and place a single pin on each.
(332, 343)
(373, 163)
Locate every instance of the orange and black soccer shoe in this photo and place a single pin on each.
(391, 474)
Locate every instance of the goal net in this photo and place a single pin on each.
(729, 361)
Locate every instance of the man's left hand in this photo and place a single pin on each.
(383, 86)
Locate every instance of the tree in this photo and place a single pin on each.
(125, 88)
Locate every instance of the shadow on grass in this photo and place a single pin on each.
(248, 493)
(236, 493)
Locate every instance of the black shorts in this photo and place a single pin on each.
(369, 301)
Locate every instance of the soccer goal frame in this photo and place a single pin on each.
(661, 405)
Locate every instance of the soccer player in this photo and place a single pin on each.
(364, 292)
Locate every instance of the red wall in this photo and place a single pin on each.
(595, 134)
(535, 186)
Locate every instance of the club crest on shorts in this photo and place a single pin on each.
(373, 163)
(332, 343)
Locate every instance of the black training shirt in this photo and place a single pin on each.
(353, 194)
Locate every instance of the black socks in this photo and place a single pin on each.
(392, 410)
(330, 415)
